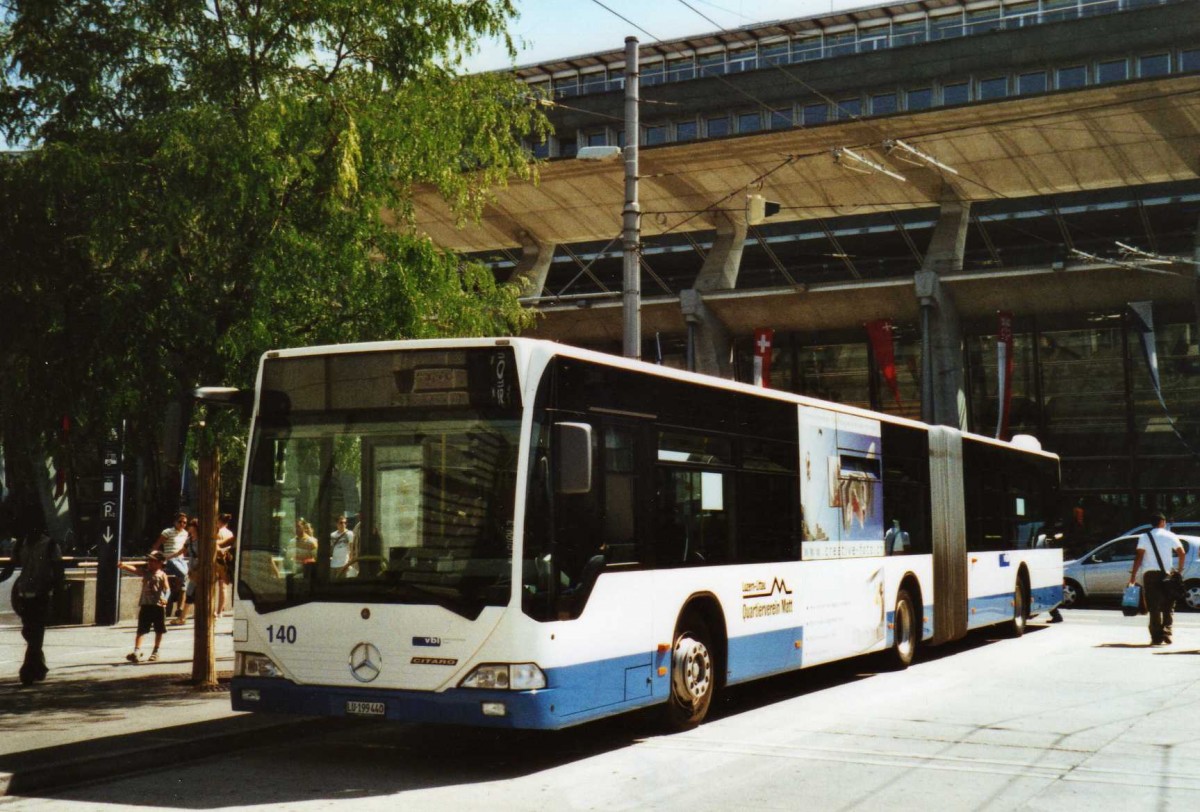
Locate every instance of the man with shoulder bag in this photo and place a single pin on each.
(1160, 587)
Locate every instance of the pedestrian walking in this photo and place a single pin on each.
(40, 560)
(1154, 550)
(172, 543)
(152, 604)
(190, 555)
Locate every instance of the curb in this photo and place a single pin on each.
(57, 768)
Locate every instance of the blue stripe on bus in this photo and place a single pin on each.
(926, 624)
(576, 693)
(992, 609)
(526, 709)
(586, 691)
(1045, 598)
(759, 655)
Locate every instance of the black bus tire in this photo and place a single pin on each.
(905, 632)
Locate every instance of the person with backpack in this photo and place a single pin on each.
(42, 571)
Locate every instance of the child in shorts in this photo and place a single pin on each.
(152, 611)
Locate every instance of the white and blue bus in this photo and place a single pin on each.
(543, 535)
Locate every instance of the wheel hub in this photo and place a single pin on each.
(692, 668)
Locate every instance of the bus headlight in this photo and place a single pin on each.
(506, 677)
(255, 665)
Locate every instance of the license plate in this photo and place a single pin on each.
(364, 708)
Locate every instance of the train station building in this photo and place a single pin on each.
(961, 188)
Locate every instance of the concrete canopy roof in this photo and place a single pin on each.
(1117, 135)
(1043, 292)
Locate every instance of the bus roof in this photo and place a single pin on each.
(531, 347)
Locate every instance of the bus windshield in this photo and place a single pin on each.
(408, 504)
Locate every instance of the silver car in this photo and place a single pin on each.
(1103, 573)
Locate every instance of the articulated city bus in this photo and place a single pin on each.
(536, 536)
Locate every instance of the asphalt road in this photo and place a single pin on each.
(1077, 715)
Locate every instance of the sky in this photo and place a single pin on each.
(548, 29)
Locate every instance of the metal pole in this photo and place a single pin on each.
(208, 490)
(120, 521)
(631, 216)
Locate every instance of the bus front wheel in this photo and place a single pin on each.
(904, 632)
(693, 680)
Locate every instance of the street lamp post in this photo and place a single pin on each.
(631, 216)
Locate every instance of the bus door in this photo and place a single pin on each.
(626, 595)
(604, 594)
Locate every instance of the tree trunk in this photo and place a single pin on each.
(204, 661)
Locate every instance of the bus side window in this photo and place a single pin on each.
(620, 495)
(766, 517)
(691, 520)
(906, 490)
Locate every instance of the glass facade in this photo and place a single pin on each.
(1084, 393)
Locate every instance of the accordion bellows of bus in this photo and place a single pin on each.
(537, 536)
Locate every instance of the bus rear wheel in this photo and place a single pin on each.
(693, 680)
(1020, 609)
(904, 632)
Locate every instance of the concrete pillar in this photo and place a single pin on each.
(709, 341)
(708, 338)
(720, 268)
(943, 395)
(531, 271)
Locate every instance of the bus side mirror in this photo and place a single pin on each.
(573, 458)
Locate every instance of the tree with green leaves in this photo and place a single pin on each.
(207, 179)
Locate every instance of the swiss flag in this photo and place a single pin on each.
(763, 338)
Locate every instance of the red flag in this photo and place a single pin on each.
(763, 337)
(1004, 369)
(880, 333)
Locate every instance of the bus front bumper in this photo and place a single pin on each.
(506, 709)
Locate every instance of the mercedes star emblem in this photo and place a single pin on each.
(365, 662)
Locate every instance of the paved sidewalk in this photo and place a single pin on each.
(97, 715)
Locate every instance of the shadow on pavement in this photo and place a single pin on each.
(93, 697)
(332, 759)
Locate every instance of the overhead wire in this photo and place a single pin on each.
(877, 128)
(1023, 121)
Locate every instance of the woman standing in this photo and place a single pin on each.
(302, 549)
(225, 543)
